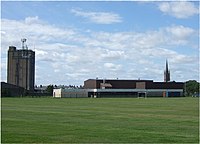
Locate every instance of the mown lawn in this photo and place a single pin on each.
(105, 120)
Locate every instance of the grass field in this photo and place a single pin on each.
(116, 120)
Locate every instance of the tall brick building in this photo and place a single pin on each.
(21, 67)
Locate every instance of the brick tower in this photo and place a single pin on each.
(21, 67)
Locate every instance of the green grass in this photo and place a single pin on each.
(86, 120)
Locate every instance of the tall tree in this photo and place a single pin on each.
(49, 89)
(191, 87)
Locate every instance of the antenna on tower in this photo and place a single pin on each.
(24, 47)
(23, 43)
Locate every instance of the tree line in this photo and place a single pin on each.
(50, 88)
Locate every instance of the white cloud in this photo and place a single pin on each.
(180, 10)
(40, 53)
(173, 35)
(180, 35)
(112, 67)
(68, 56)
(112, 55)
(180, 32)
(33, 20)
(34, 28)
(98, 17)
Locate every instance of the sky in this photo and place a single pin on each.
(76, 41)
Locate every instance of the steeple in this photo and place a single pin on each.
(166, 65)
(166, 73)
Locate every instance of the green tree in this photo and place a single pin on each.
(191, 87)
(49, 89)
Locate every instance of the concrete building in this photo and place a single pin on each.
(21, 67)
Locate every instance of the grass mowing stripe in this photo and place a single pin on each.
(100, 120)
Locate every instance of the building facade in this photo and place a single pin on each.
(99, 88)
(111, 83)
(135, 88)
(21, 68)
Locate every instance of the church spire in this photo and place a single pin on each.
(166, 65)
(166, 73)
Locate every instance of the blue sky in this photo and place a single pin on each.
(75, 41)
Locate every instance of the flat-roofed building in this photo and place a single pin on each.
(165, 89)
(99, 88)
(112, 83)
